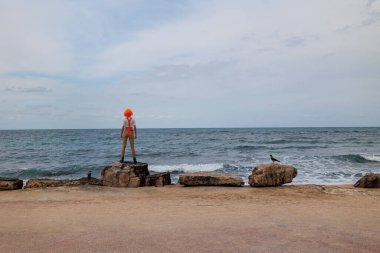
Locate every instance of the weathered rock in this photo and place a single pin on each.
(210, 179)
(125, 174)
(272, 174)
(10, 184)
(370, 180)
(135, 182)
(90, 181)
(159, 179)
(44, 182)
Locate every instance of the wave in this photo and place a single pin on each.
(372, 158)
(180, 168)
(295, 141)
(303, 147)
(359, 158)
(249, 148)
(278, 142)
(36, 173)
(152, 154)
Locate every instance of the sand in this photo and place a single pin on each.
(184, 219)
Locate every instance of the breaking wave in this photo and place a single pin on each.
(359, 158)
(372, 158)
(186, 167)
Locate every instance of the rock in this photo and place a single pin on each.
(370, 180)
(159, 179)
(126, 174)
(272, 174)
(210, 179)
(90, 181)
(10, 184)
(44, 182)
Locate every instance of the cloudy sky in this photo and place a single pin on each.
(254, 63)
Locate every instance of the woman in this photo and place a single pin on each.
(128, 131)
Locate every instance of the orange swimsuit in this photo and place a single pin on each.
(129, 129)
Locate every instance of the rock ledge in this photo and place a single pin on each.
(10, 184)
(45, 182)
(210, 179)
(128, 174)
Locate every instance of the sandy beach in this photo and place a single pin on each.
(305, 218)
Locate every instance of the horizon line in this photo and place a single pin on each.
(20, 129)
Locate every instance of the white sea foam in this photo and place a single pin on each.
(375, 158)
(187, 167)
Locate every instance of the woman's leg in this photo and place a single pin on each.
(132, 141)
(125, 137)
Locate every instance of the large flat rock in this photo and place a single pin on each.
(126, 174)
(210, 179)
(158, 179)
(45, 182)
(272, 174)
(10, 183)
(370, 180)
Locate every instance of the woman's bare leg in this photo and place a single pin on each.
(125, 137)
(132, 141)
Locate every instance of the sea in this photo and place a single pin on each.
(321, 155)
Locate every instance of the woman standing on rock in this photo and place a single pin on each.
(128, 131)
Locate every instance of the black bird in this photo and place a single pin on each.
(274, 159)
(89, 175)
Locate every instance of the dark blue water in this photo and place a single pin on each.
(321, 155)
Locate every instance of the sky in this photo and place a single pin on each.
(253, 63)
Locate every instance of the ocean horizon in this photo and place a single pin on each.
(113, 128)
(322, 155)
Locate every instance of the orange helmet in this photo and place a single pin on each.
(128, 112)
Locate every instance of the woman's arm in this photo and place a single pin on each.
(135, 130)
(121, 131)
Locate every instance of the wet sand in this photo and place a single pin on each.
(198, 219)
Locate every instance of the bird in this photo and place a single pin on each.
(89, 175)
(274, 159)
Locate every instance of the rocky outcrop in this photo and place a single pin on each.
(159, 179)
(370, 180)
(44, 182)
(210, 179)
(272, 174)
(10, 184)
(125, 174)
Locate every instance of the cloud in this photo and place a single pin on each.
(29, 89)
(32, 40)
(222, 30)
(295, 41)
(370, 2)
(156, 116)
(28, 84)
